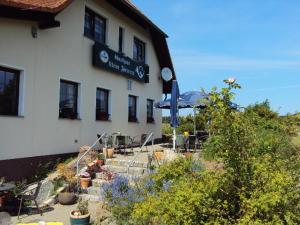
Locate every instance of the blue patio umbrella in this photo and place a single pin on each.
(174, 109)
(174, 104)
(190, 99)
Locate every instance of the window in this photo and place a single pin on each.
(121, 37)
(9, 91)
(129, 85)
(68, 102)
(102, 96)
(139, 50)
(94, 26)
(150, 118)
(132, 105)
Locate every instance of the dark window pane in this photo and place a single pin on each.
(94, 26)
(88, 24)
(121, 36)
(9, 91)
(2, 77)
(139, 50)
(68, 100)
(100, 29)
(132, 100)
(102, 104)
(150, 110)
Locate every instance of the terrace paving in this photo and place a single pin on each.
(60, 213)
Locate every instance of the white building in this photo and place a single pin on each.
(72, 69)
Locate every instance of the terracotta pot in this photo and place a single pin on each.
(79, 220)
(159, 155)
(188, 154)
(67, 198)
(109, 153)
(85, 182)
(2, 200)
(100, 162)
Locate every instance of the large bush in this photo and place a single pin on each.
(257, 182)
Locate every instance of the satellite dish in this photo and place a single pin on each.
(166, 74)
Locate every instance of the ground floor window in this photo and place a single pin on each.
(150, 118)
(132, 108)
(68, 101)
(102, 101)
(9, 91)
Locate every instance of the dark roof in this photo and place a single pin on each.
(46, 10)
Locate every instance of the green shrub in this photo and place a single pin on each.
(258, 183)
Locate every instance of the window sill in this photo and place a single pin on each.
(103, 120)
(133, 121)
(76, 119)
(12, 116)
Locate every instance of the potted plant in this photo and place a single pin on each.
(67, 197)
(81, 216)
(85, 179)
(101, 159)
(159, 154)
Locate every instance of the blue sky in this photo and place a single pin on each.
(255, 41)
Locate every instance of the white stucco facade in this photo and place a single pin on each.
(65, 53)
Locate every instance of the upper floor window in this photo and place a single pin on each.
(94, 26)
(9, 91)
(132, 108)
(121, 39)
(68, 100)
(139, 49)
(150, 118)
(102, 96)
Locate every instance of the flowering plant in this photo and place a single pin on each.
(84, 175)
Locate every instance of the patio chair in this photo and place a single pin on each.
(30, 193)
(192, 144)
(202, 136)
(180, 143)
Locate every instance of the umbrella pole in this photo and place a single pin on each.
(194, 121)
(174, 139)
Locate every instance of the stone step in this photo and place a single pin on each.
(96, 191)
(98, 182)
(91, 198)
(101, 178)
(125, 163)
(122, 169)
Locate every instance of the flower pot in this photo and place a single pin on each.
(2, 200)
(109, 153)
(188, 155)
(85, 182)
(67, 198)
(159, 155)
(79, 220)
(100, 162)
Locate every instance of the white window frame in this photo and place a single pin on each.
(78, 96)
(22, 79)
(109, 102)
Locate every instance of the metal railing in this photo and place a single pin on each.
(149, 137)
(78, 161)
